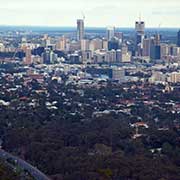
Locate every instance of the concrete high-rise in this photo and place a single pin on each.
(178, 38)
(140, 33)
(110, 33)
(140, 26)
(146, 47)
(61, 44)
(155, 52)
(28, 58)
(80, 29)
(118, 74)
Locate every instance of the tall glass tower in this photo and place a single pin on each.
(178, 38)
(80, 29)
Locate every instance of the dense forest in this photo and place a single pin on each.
(84, 133)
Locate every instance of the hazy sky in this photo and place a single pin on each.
(99, 13)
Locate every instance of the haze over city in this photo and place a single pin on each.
(98, 13)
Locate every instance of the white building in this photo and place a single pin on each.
(118, 74)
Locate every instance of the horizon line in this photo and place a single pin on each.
(54, 26)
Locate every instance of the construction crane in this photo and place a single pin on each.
(16, 51)
(83, 15)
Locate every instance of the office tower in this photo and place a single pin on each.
(74, 46)
(100, 56)
(146, 47)
(87, 57)
(84, 44)
(80, 29)
(53, 57)
(74, 58)
(105, 44)
(113, 44)
(110, 32)
(119, 36)
(111, 56)
(157, 39)
(165, 50)
(38, 51)
(95, 44)
(46, 56)
(155, 51)
(61, 44)
(140, 33)
(48, 41)
(125, 55)
(178, 38)
(28, 58)
(118, 74)
(118, 56)
(176, 51)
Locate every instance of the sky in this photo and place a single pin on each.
(98, 13)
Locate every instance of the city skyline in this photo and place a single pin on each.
(98, 13)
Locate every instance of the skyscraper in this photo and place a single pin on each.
(28, 59)
(61, 44)
(46, 56)
(140, 33)
(155, 52)
(80, 29)
(146, 47)
(178, 38)
(113, 44)
(140, 26)
(110, 33)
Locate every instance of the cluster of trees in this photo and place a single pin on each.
(67, 145)
(7, 173)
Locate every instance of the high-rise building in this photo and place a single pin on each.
(118, 56)
(100, 56)
(110, 33)
(155, 51)
(84, 44)
(178, 38)
(87, 56)
(140, 26)
(120, 36)
(176, 51)
(46, 56)
(140, 33)
(95, 44)
(80, 29)
(125, 54)
(53, 57)
(146, 47)
(105, 44)
(165, 50)
(61, 44)
(157, 39)
(111, 56)
(74, 58)
(118, 74)
(113, 44)
(28, 58)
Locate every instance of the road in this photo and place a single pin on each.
(34, 172)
